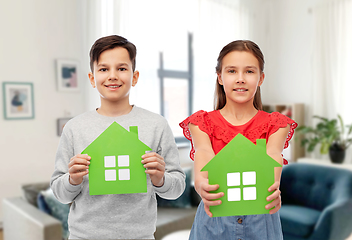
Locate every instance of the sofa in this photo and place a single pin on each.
(29, 216)
(316, 202)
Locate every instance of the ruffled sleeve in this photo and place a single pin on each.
(278, 120)
(201, 119)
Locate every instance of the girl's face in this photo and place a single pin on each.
(240, 76)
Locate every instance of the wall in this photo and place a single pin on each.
(284, 30)
(33, 34)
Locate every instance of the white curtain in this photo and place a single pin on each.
(332, 61)
(162, 26)
(156, 26)
(97, 21)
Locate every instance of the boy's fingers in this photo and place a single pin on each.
(77, 168)
(78, 175)
(154, 172)
(153, 159)
(155, 165)
(83, 156)
(152, 155)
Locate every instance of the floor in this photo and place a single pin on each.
(2, 238)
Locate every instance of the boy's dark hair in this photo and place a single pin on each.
(110, 42)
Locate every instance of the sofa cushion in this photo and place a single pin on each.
(297, 220)
(30, 191)
(48, 202)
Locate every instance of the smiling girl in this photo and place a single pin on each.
(238, 109)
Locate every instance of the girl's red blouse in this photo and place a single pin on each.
(221, 132)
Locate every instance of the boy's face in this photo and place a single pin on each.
(113, 75)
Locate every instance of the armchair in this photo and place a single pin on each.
(316, 202)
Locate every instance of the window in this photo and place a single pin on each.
(164, 29)
(234, 180)
(123, 162)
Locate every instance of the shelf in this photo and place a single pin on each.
(294, 111)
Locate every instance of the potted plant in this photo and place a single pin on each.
(331, 136)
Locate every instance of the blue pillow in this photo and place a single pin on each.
(48, 203)
(185, 200)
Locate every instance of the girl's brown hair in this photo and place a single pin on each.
(239, 45)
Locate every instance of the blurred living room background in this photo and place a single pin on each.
(306, 45)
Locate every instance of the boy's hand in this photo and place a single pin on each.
(78, 167)
(155, 167)
(209, 199)
(276, 196)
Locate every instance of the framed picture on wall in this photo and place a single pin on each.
(18, 100)
(67, 75)
(61, 122)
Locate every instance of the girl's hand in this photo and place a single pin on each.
(78, 167)
(203, 189)
(155, 167)
(276, 196)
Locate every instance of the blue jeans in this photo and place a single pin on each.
(250, 227)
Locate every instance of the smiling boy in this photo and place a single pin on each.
(119, 216)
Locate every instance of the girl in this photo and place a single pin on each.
(238, 109)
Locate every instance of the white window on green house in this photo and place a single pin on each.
(123, 162)
(234, 180)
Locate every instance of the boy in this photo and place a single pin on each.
(115, 216)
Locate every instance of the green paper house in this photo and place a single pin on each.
(244, 172)
(115, 165)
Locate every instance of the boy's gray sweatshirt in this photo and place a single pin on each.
(115, 216)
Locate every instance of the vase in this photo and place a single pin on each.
(336, 153)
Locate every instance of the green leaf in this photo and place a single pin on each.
(324, 149)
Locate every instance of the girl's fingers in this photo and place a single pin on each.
(209, 188)
(272, 211)
(211, 203)
(207, 211)
(273, 196)
(277, 208)
(274, 203)
(274, 187)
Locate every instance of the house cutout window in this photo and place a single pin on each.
(234, 180)
(123, 162)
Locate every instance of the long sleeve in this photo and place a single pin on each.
(62, 189)
(174, 183)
